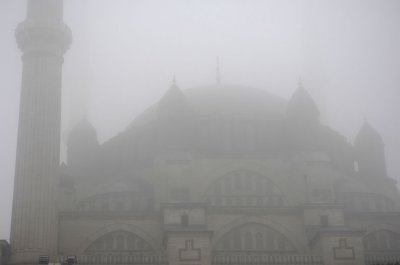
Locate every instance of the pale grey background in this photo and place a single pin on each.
(124, 54)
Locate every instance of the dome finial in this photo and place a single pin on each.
(300, 83)
(174, 80)
(218, 72)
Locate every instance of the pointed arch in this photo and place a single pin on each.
(273, 233)
(120, 228)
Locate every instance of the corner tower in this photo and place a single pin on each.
(43, 40)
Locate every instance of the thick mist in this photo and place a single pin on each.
(125, 53)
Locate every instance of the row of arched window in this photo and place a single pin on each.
(244, 182)
(245, 238)
(119, 241)
(255, 237)
(246, 201)
(117, 203)
(382, 241)
(365, 202)
(237, 134)
(245, 188)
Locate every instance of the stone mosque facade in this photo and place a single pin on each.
(222, 174)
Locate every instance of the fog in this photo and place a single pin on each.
(125, 53)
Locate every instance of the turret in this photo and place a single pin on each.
(173, 103)
(370, 152)
(302, 118)
(302, 109)
(175, 120)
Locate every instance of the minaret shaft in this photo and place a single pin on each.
(43, 40)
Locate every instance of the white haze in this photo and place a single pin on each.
(124, 54)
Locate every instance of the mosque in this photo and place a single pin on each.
(222, 174)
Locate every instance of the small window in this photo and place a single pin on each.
(356, 169)
(324, 220)
(184, 219)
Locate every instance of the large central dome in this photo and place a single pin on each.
(219, 120)
(217, 100)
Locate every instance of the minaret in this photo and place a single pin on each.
(43, 40)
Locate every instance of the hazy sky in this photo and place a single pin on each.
(125, 52)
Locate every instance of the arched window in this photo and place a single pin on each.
(120, 242)
(109, 239)
(226, 243)
(259, 241)
(237, 240)
(255, 238)
(269, 239)
(130, 242)
(244, 188)
(281, 243)
(248, 241)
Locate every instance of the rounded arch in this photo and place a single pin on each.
(245, 220)
(382, 241)
(244, 187)
(382, 237)
(357, 196)
(120, 227)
